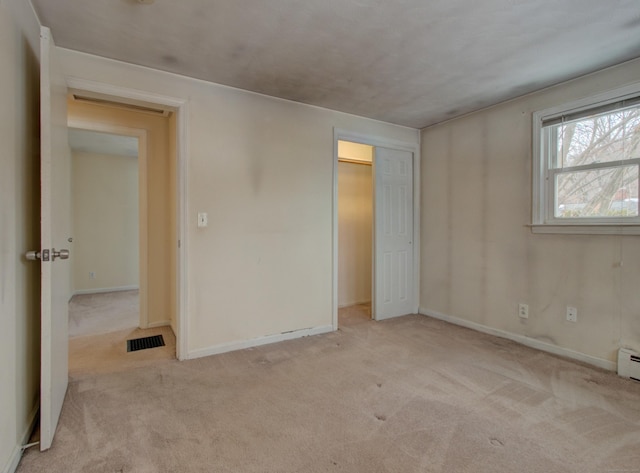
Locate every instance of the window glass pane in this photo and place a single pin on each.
(605, 192)
(607, 137)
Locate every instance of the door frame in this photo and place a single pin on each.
(377, 142)
(181, 108)
(143, 255)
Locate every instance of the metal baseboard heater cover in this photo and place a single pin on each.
(629, 364)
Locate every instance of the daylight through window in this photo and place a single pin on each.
(589, 164)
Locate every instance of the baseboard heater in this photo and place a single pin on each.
(629, 364)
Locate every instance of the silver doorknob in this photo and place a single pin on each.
(32, 255)
(62, 254)
(44, 255)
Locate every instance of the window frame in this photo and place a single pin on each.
(543, 218)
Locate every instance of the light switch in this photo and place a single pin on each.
(202, 219)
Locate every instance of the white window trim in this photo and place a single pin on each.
(540, 211)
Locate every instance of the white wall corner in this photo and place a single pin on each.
(256, 342)
(523, 340)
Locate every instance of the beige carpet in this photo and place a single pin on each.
(411, 394)
(107, 352)
(90, 314)
(99, 327)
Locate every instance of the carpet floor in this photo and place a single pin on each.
(107, 352)
(411, 394)
(91, 314)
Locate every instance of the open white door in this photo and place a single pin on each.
(55, 171)
(393, 270)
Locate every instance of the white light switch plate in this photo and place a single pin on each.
(203, 221)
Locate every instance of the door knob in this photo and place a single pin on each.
(62, 254)
(33, 255)
(44, 255)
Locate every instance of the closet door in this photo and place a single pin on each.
(393, 233)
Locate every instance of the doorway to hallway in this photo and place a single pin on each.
(125, 235)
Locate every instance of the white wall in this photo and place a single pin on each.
(479, 259)
(19, 230)
(262, 170)
(355, 228)
(105, 221)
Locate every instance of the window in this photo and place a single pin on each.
(587, 165)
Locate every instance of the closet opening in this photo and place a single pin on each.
(355, 232)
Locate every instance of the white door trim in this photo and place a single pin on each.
(340, 134)
(141, 134)
(181, 108)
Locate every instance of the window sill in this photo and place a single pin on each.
(594, 229)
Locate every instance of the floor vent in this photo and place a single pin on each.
(629, 364)
(144, 343)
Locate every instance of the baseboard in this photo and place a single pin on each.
(14, 460)
(342, 306)
(105, 289)
(165, 323)
(522, 339)
(256, 342)
(16, 455)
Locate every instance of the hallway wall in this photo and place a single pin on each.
(105, 222)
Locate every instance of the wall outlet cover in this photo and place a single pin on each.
(523, 311)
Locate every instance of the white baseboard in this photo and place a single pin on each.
(159, 324)
(349, 304)
(256, 342)
(524, 340)
(105, 289)
(14, 460)
(16, 455)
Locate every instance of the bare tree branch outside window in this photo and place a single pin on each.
(601, 191)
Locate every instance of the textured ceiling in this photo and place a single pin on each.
(410, 62)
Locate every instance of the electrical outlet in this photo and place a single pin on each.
(523, 311)
(92, 275)
(572, 314)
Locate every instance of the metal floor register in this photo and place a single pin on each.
(144, 343)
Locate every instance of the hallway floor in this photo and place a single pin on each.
(107, 352)
(354, 315)
(91, 314)
(99, 327)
